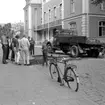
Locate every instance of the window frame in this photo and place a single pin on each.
(72, 5)
(102, 6)
(49, 15)
(101, 27)
(55, 12)
(60, 10)
(73, 29)
(44, 17)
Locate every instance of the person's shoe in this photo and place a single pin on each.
(18, 64)
(5, 62)
(28, 64)
(25, 64)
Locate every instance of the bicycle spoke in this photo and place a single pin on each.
(54, 72)
(71, 79)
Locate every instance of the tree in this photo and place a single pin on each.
(96, 2)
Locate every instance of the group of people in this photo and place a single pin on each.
(21, 48)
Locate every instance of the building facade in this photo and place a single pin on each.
(32, 18)
(81, 16)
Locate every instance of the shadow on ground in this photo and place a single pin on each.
(36, 60)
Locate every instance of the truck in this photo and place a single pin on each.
(75, 45)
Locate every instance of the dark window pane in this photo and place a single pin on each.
(100, 31)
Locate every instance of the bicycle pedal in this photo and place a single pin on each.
(59, 80)
(70, 79)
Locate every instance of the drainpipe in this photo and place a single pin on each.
(87, 18)
(48, 26)
(62, 14)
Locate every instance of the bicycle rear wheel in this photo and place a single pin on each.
(54, 72)
(72, 78)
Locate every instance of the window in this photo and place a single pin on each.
(44, 17)
(60, 11)
(102, 6)
(73, 28)
(49, 14)
(102, 28)
(72, 6)
(54, 12)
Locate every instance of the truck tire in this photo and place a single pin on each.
(74, 51)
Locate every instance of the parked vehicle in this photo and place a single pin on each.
(75, 45)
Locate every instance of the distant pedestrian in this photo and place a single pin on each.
(24, 44)
(4, 48)
(8, 49)
(44, 52)
(17, 50)
(12, 46)
(32, 46)
(29, 39)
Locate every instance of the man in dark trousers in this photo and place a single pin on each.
(32, 44)
(7, 48)
(13, 44)
(44, 52)
(4, 48)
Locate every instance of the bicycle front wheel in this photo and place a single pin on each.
(54, 72)
(72, 78)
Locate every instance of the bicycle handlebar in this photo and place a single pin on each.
(63, 59)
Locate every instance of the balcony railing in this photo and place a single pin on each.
(51, 24)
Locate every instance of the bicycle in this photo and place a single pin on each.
(70, 75)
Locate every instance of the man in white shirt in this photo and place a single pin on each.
(24, 44)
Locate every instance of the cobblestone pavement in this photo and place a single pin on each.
(32, 85)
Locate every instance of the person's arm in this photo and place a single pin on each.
(28, 43)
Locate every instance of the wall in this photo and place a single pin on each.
(95, 9)
(67, 8)
(93, 27)
(78, 23)
(50, 5)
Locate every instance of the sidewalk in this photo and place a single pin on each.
(92, 78)
(32, 85)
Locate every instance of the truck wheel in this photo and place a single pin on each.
(74, 51)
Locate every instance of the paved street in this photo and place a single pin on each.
(32, 85)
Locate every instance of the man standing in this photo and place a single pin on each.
(32, 44)
(17, 51)
(25, 45)
(7, 57)
(4, 48)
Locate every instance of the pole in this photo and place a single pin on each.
(87, 18)
(48, 25)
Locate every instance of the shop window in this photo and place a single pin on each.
(102, 28)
